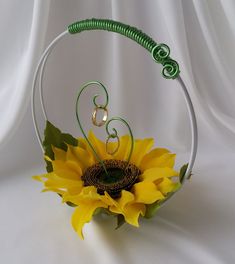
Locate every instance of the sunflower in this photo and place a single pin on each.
(127, 190)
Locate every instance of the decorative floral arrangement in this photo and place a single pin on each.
(124, 177)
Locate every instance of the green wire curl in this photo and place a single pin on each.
(113, 134)
(79, 122)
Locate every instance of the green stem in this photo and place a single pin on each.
(78, 119)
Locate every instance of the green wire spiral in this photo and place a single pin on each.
(111, 133)
(160, 52)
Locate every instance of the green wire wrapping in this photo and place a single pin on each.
(160, 52)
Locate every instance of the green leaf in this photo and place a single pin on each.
(120, 221)
(151, 209)
(69, 139)
(182, 172)
(49, 166)
(54, 137)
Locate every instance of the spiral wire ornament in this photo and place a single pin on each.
(103, 122)
(112, 136)
(160, 53)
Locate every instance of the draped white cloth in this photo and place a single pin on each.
(197, 225)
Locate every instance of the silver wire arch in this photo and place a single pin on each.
(41, 67)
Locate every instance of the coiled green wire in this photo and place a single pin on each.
(160, 52)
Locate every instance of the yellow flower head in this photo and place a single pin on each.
(128, 190)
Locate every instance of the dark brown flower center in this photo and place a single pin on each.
(121, 176)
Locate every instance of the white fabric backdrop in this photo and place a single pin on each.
(197, 226)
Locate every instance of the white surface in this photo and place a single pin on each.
(197, 225)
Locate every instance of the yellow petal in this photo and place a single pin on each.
(80, 156)
(99, 147)
(38, 178)
(126, 206)
(72, 188)
(58, 191)
(157, 173)
(106, 198)
(120, 203)
(81, 143)
(88, 194)
(132, 213)
(83, 214)
(59, 154)
(55, 183)
(74, 166)
(157, 158)
(167, 186)
(146, 192)
(125, 199)
(63, 182)
(85, 146)
(141, 147)
(62, 169)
